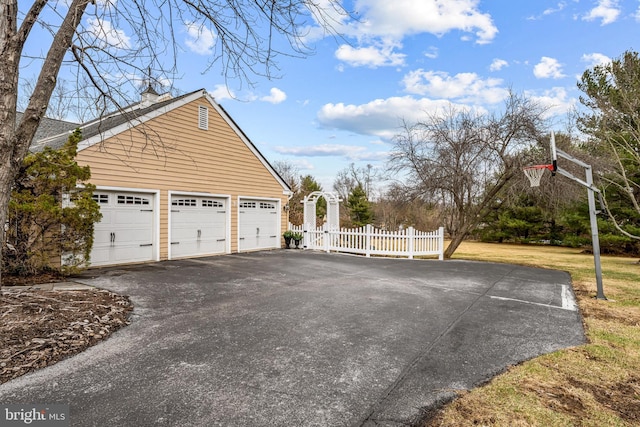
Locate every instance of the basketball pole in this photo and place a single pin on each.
(592, 190)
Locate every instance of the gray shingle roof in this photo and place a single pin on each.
(50, 127)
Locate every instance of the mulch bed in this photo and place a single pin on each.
(39, 328)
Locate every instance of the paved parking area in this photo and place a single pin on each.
(295, 338)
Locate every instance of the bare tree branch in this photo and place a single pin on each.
(463, 160)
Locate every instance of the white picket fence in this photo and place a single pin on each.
(369, 240)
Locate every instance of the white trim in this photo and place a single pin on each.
(278, 203)
(270, 199)
(227, 197)
(244, 139)
(156, 211)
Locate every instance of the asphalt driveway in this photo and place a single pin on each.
(295, 338)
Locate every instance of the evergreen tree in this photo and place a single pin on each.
(307, 186)
(612, 94)
(359, 206)
(51, 213)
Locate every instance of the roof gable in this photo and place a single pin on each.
(106, 127)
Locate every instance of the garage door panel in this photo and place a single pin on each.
(198, 226)
(133, 217)
(126, 231)
(259, 222)
(126, 253)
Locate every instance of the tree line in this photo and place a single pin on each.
(462, 168)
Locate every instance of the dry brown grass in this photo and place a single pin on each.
(597, 384)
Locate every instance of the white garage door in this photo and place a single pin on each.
(125, 233)
(259, 222)
(198, 226)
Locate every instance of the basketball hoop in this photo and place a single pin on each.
(534, 173)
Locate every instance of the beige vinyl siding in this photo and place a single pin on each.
(170, 153)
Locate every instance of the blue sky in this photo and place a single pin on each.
(404, 59)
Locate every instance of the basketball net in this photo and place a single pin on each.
(534, 173)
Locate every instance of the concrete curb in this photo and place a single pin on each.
(56, 286)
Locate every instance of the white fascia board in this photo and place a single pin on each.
(248, 143)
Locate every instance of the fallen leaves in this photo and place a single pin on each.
(39, 328)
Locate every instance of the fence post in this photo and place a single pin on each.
(305, 236)
(367, 239)
(410, 241)
(326, 237)
(441, 243)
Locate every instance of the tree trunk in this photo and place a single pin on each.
(16, 139)
(470, 220)
(10, 49)
(453, 245)
(7, 176)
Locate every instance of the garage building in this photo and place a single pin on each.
(176, 177)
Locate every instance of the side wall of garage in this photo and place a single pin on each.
(172, 155)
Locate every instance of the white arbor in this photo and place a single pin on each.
(312, 236)
(333, 210)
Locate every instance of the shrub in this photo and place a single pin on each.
(51, 213)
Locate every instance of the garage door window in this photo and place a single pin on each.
(212, 204)
(132, 200)
(102, 199)
(184, 202)
(248, 205)
(264, 205)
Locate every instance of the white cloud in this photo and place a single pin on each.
(431, 52)
(382, 23)
(104, 31)
(221, 92)
(498, 64)
(556, 100)
(607, 11)
(349, 152)
(372, 56)
(200, 39)
(303, 164)
(593, 59)
(381, 117)
(464, 87)
(548, 68)
(399, 18)
(323, 11)
(276, 96)
(560, 6)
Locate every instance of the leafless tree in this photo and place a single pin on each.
(350, 177)
(397, 208)
(246, 37)
(462, 160)
(71, 100)
(289, 172)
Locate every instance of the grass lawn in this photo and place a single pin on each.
(597, 384)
